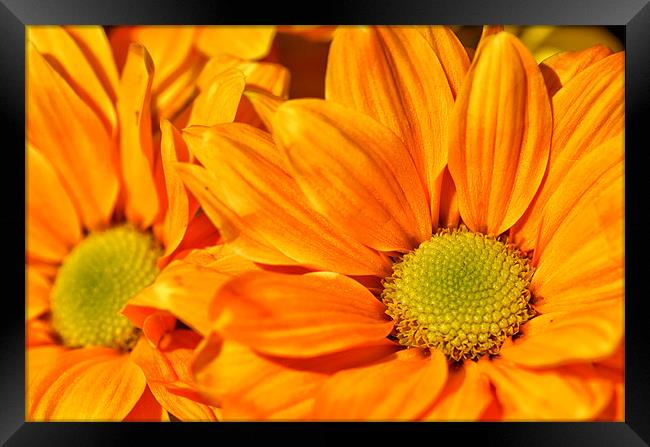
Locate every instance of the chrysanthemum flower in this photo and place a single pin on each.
(105, 212)
(447, 238)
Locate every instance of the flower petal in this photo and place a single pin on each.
(252, 387)
(38, 293)
(562, 67)
(264, 104)
(65, 56)
(74, 147)
(588, 334)
(298, 316)
(88, 384)
(355, 172)
(465, 396)
(394, 75)
(259, 209)
(587, 111)
(186, 287)
(93, 42)
(218, 102)
(587, 178)
(53, 227)
(246, 42)
(568, 393)
(450, 52)
(396, 389)
(167, 369)
(179, 209)
(147, 409)
(585, 255)
(500, 135)
(136, 145)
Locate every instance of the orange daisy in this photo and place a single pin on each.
(105, 213)
(446, 235)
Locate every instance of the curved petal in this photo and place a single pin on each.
(93, 42)
(246, 42)
(587, 111)
(355, 172)
(395, 76)
(585, 255)
(172, 150)
(558, 338)
(265, 105)
(65, 56)
(450, 52)
(186, 287)
(259, 209)
(88, 384)
(500, 134)
(570, 393)
(53, 226)
(218, 102)
(298, 315)
(465, 396)
(396, 389)
(147, 410)
(74, 147)
(38, 294)
(249, 386)
(167, 369)
(562, 67)
(136, 145)
(587, 178)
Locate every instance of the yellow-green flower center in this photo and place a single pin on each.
(97, 279)
(460, 292)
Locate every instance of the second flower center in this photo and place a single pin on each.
(460, 292)
(97, 279)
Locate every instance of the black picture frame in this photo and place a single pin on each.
(634, 15)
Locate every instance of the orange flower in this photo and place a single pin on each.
(105, 212)
(447, 238)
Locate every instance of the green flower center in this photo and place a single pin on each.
(460, 292)
(97, 279)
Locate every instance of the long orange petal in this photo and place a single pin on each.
(355, 172)
(451, 53)
(53, 226)
(264, 104)
(465, 396)
(218, 102)
(147, 409)
(136, 145)
(299, 316)
(585, 255)
(500, 134)
(570, 393)
(396, 389)
(258, 208)
(562, 67)
(186, 287)
(89, 384)
(38, 294)
(172, 150)
(252, 387)
(65, 56)
(74, 147)
(587, 178)
(245, 42)
(167, 369)
(556, 338)
(587, 111)
(395, 76)
(94, 44)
